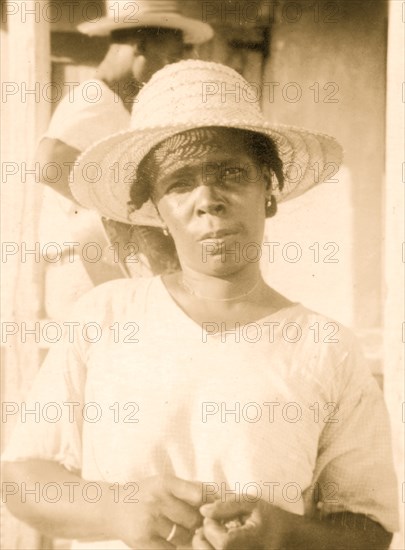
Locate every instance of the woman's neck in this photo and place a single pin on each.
(231, 300)
(231, 288)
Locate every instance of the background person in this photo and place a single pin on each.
(195, 164)
(139, 46)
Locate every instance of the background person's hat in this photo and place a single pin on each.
(180, 97)
(148, 13)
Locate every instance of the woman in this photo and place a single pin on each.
(187, 391)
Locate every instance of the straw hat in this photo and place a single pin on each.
(182, 96)
(147, 13)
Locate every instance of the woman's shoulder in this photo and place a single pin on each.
(328, 346)
(305, 317)
(328, 334)
(113, 297)
(292, 313)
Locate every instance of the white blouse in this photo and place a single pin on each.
(283, 409)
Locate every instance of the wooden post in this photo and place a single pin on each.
(25, 45)
(394, 251)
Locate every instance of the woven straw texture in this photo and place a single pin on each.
(181, 96)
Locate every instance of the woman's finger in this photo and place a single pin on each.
(178, 535)
(187, 491)
(181, 513)
(244, 537)
(200, 542)
(215, 533)
(226, 510)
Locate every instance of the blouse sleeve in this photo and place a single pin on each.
(92, 113)
(50, 419)
(354, 470)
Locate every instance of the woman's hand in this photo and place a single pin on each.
(263, 526)
(143, 521)
(162, 503)
(247, 525)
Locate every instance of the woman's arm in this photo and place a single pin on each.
(338, 531)
(142, 515)
(54, 151)
(268, 527)
(72, 516)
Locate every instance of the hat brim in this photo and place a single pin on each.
(194, 31)
(105, 172)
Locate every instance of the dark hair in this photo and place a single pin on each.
(140, 35)
(260, 148)
(264, 151)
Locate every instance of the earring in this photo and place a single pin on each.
(165, 232)
(270, 207)
(273, 181)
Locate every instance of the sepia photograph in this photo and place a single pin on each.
(202, 274)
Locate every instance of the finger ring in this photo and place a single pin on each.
(172, 533)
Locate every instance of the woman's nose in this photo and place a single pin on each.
(208, 200)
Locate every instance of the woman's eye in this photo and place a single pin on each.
(179, 185)
(233, 173)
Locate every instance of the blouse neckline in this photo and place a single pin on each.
(185, 318)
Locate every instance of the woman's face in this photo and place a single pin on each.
(213, 204)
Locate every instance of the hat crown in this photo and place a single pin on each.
(180, 97)
(126, 14)
(137, 8)
(199, 92)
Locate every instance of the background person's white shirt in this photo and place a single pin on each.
(91, 112)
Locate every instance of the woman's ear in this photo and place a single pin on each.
(270, 179)
(271, 185)
(163, 223)
(267, 174)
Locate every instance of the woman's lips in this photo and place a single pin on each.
(215, 243)
(217, 235)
